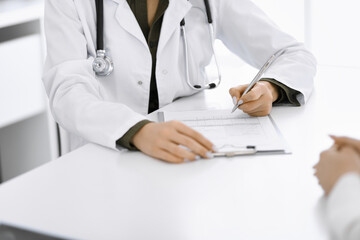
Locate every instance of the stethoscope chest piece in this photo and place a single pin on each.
(102, 64)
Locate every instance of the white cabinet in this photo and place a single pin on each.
(27, 131)
(21, 92)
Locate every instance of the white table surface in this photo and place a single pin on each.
(97, 193)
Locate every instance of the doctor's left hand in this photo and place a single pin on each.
(258, 101)
(165, 140)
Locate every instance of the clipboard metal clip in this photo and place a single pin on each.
(249, 150)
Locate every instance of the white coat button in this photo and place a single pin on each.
(140, 82)
(164, 71)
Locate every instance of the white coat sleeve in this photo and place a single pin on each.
(74, 92)
(250, 34)
(343, 207)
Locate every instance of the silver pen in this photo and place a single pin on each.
(259, 74)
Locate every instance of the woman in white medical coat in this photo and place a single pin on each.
(104, 110)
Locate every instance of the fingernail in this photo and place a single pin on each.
(234, 100)
(240, 102)
(197, 157)
(186, 160)
(214, 148)
(209, 155)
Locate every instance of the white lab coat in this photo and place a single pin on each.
(102, 109)
(343, 208)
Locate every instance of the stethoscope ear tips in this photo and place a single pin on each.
(210, 86)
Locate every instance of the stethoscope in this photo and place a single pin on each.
(104, 66)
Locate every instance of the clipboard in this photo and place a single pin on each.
(199, 120)
(248, 150)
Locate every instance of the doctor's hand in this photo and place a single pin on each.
(334, 163)
(258, 101)
(172, 142)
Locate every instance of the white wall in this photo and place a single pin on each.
(289, 15)
(336, 32)
(330, 28)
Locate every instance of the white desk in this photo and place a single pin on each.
(97, 193)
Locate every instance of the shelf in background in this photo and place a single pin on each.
(28, 136)
(13, 12)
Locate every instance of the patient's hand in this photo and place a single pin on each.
(334, 163)
(342, 141)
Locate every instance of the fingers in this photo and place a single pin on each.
(194, 137)
(348, 150)
(236, 92)
(180, 152)
(334, 147)
(172, 142)
(169, 157)
(252, 95)
(255, 93)
(335, 163)
(340, 141)
(257, 108)
(257, 102)
(195, 147)
(260, 107)
(316, 165)
(195, 144)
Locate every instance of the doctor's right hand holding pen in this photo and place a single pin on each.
(257, 97)
(258, 101)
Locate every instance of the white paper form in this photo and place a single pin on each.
(232, 131)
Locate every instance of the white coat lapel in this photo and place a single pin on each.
(127, 20)
(175, 12)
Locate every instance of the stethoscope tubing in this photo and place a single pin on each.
(186, 54)
(99, 24)
(103, 65)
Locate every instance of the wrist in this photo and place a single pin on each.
(138, 136)
(274, 90)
